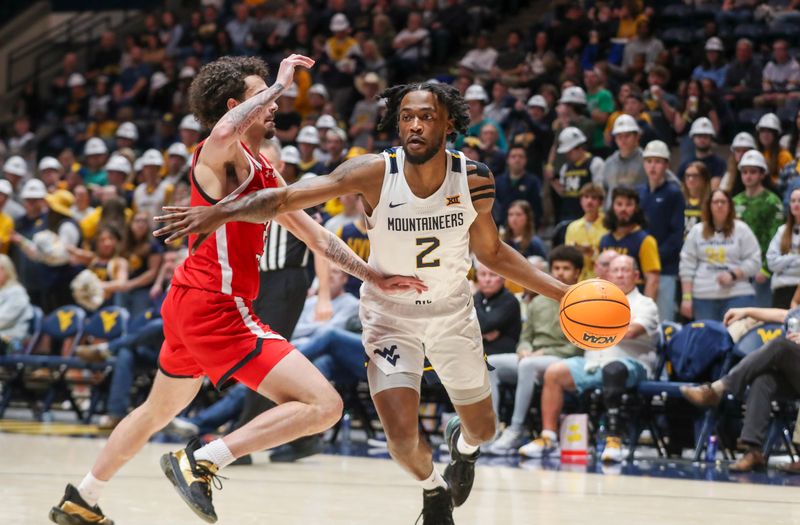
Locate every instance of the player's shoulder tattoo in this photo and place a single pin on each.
(478, 168)
(481, 184)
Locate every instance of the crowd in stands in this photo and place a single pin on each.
(650, 143)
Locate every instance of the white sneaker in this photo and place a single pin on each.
(506, 444)
(613, 451)
(182, 427)
(540, 447)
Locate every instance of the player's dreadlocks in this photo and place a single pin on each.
(218, 81)
(447, 95)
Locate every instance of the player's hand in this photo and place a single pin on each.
(286, 70)
(733, 315)
(399, 283)
(182, 221)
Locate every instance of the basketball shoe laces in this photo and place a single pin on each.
(201, 471)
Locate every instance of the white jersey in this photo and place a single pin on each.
(425, 238)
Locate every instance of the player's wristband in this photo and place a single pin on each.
(686, 297)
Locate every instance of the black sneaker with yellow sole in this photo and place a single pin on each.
(193, 479)
(73, 510)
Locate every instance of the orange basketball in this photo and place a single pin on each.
(595, 314)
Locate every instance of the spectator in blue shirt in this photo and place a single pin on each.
(517, 184)
(663, 205)
(702, 135)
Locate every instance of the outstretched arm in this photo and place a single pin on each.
(493, 252)
(362, 175)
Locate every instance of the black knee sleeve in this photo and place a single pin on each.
(615, 375)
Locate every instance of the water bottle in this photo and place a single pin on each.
(711, 449)
(792, 325)
(346, 420)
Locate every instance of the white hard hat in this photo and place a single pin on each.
(118, 163)
(128, 130)
(187, 72)
(339, 22)
(5, 187)
(76, 80)
(152, 157)
(743, 140)
(476, 92)
(769, 121)
(573, 95)
(33, 189)
(290, 155)
(318, 89)
(158, 80)
(16, 165)
(714, 44)
(95, 146)
(50, 163)
(702, 126)
(338, 133)
(625, 124)
(178, 149)
(291, 91)
(138, 164)
(326, 121)
(191, 123)
(753, 158)
(308, 135)
(656, 148)
(569, 139)
(537, 101)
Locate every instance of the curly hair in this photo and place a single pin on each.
(610, 221)
(218, 81)
(447, 95)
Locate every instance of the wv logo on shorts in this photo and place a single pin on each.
(388, 354)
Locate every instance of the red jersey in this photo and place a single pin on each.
(227, 261)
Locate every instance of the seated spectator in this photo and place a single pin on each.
(336, 149)
(516, 184)
(105, 261)
(153, 193)
(718, 258)
(768, 374)
(51, 173)
(287, 118)
(742, 76)
(570, 111)
(659, 103)
(586, 232)
(364, 118)
(412, 48)
(600, 103)
(696, 187)
(15, 308)
(520, 230)
(625, 223)
(541, 344)
(783, 255)
(93, 172)
(15, 172)
(625, 167)
(340, 63)
(780, 78)
(663, 205)
(615, 369)
(476, 98)
(30, 272)
(732, 181)
(480, 60)
(510, 64)
(491, 155)
(528, 127)
(702, 135)
(580, 168)
(762, 211)
(498, 313)
(344, 307)
(307, 143)
(768, 134)
(144, 254)
(240, 30)
(131, 87)
(178, 164)
(498, 109)
(644, 43)
(694, 105)
(713, 66)
(355, 235)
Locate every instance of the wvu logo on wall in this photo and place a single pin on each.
(598, 339)
(388, 354)
(455, 199)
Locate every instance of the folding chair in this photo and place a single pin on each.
(108, 323)
(15, 368)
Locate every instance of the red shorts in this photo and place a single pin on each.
(217, 335)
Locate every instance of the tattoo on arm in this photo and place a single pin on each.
(343, 257)
(242, 116)
(257, 207)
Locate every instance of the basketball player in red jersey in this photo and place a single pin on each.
(209, 326)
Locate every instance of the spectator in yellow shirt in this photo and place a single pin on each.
(586, 232)
(6, 222)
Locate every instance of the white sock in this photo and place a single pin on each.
(435, 480)
(217, 452)
(464, 447)
(91, 489)
(549, 434)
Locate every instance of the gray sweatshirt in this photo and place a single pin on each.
(618, 171)
(15, 312)
(785, 268)
(704, 260)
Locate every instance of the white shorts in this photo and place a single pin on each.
(398, 336)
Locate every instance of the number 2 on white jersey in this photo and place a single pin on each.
(432, 243)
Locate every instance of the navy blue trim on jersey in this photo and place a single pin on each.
(392, 154)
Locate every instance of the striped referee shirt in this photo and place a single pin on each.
(283, 250)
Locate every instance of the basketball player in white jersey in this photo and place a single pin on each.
(426, 209)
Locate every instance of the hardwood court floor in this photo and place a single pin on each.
(338, 490)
